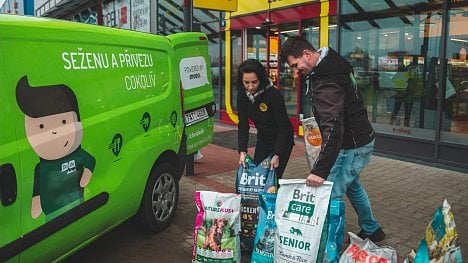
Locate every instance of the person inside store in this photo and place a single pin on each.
(413, 88)
(259, 101)
(347, 134)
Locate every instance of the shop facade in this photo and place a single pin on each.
(409, 58)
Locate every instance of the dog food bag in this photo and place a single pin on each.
(251, 180)
(440, 243)
(366, 251)
(300, 216)
(312, 140)
(264, 244)
(335, 231)
(217, 227)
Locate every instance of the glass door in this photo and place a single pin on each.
(455, 105)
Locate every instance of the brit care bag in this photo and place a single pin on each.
(250, 181)
(302, 221)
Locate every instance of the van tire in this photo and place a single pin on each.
(160, 199)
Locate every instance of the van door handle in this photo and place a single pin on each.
(7, 184)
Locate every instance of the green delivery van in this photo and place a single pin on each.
(96, 124)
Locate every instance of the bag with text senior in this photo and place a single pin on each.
(217, 227)
(251, 180)
(302, 221)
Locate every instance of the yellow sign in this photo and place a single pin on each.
(247, 7)
(221, 5)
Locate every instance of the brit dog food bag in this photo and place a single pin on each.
(301, 213)
(217, 227)
(312, 140)
(251, 180)
(264, 245)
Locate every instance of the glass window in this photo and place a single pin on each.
(286, 79)
(236, 60)
(455, 104)
(170, 17)
(395, 57)
(310, 31)
(332, 33)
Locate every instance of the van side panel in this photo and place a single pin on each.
(193, 60)
(10, 204)
(126, 113)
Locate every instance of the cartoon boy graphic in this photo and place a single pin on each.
(53, 128)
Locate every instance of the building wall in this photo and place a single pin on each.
(19, 7)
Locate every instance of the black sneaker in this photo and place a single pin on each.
(377, 236)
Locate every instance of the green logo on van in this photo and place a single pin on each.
(116, 144)
(174, 119)
(146, 121)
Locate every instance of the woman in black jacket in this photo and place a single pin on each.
(259, 101)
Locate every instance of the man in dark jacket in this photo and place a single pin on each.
(347, 134)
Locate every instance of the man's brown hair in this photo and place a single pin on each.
(295, 46)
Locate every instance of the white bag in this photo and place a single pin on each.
(312, 140)
(300, 215)
(366, 251)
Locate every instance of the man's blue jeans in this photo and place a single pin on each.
(345, 175)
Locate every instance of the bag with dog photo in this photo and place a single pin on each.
(264, 245)
(251, 180)
(302, 221)
(217, 227)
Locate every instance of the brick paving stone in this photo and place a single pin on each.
(404, 197)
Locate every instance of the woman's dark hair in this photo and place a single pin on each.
(252, 66)
(46, 100)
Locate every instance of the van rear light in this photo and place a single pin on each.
(202, 38)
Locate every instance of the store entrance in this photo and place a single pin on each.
(263, 44)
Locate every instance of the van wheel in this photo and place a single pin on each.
(160, 200)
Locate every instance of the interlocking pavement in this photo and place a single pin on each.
(404, 197)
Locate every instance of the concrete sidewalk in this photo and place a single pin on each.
(404, 195)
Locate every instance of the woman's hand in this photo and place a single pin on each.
(242, 158)
(274, 162)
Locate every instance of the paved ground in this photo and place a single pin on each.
(404, 197)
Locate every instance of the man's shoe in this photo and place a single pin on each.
(377, 236)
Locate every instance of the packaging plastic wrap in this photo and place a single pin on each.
(440, 243)
(217, 227)
(366, 251)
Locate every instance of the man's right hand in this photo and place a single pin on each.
(314, 180)
(242, 158)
